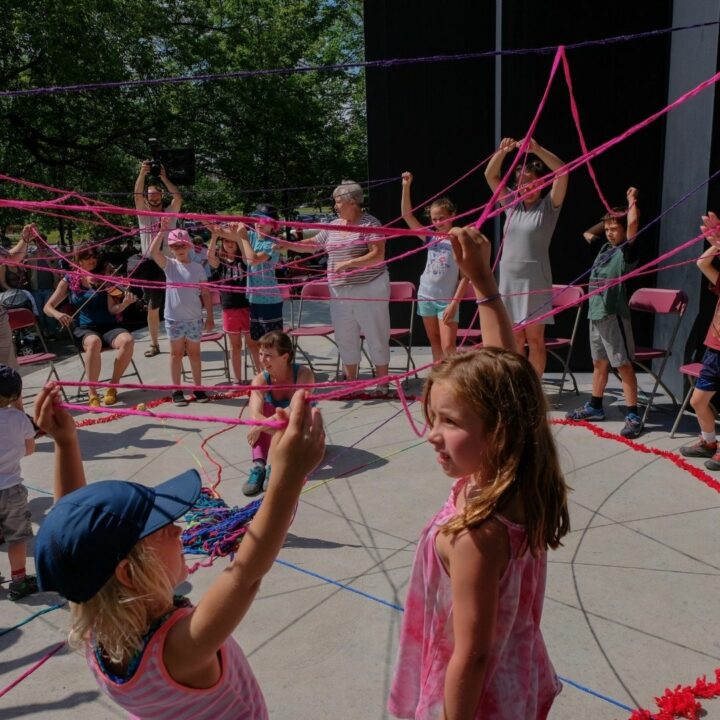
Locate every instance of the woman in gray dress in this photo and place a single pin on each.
(525, 275)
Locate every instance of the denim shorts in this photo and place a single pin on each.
(709, 379)
(188, 329)
(435, 308)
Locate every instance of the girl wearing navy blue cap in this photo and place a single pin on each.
(112, 548)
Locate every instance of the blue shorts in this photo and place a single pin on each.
(264, 318)
(188, 329)
(435, 308)
(709, 379)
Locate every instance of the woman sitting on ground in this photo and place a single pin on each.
(276, 358)
(94, 320)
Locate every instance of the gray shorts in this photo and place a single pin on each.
(14, 514)
(611, 339)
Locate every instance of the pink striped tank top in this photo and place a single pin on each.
(151, 694)
(520, 681)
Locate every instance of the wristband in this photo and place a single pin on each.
(489, 298)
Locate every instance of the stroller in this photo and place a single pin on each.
(26, 341)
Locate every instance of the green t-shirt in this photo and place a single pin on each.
(611, 262)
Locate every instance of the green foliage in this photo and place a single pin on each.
(262, 132)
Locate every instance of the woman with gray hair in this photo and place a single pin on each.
(359, 284)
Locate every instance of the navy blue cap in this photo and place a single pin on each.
(10, 382)
(266, 212)
(89, 531)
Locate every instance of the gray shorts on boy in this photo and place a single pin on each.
(612, 339)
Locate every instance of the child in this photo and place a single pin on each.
(471, 644)
(440, 292)
(611, 338)
(709, 381)
(112, 548)
(183, 309)
(276, 354)
(230, 270)
(261, 252)
(16, 441)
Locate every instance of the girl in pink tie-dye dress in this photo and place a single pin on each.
(471, 645)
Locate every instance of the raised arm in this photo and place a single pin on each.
(156, 246)
(493, 171)
(139, 191)
(711, 229)
(213, 260)
(472, 253)
(56, 422)
(177, 198)
(192, 643)
(593, 232)
(559, 186)
(406, 203)
(633, 216)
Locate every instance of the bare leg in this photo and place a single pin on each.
(700, 402)
(92, 345)
(254, 353)
(17, 553)
(124, 344)
(177, 351)
(432, 330)
(193, 353)
(629, 383)
(448, 338)
(601, 371)
(236, 355)
(153, 321)
(537, 355)
(351, 371)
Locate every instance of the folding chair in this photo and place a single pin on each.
(660, 302)
(312, 292)
(692, 371)
(22, 319)
(404, 292)
(562, 296)
(219, 338)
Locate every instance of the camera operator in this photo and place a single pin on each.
(152, 199)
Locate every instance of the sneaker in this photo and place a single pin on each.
(178, 398)
(586, 412)
(267, 478)
(633, 426)
(201, 396)
(699, 449)
(254, 484)
(20, 588)
(713, 463)
(110, 397)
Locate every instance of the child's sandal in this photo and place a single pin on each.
(152, 351)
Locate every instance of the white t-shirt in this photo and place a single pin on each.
(149, 226)
(183, 303)
(15, 429)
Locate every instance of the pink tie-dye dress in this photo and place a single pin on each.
(520, 681)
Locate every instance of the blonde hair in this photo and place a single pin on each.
(519, 453)
(117, 617)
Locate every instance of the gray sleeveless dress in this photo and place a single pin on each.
(525, 262)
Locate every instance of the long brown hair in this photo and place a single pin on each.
(519, 453)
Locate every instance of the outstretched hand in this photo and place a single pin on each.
(52, 418)
(472, 252)
(711, 228)
(300, 446)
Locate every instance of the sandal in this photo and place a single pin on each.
(110, 396)
(152, 351)
(94, 401)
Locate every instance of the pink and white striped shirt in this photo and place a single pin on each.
(151, 694)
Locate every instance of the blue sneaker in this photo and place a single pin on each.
(633, 426)
(254, 484)
(586, 412)
(267, 478)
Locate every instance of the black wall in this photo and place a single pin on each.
(438, 119)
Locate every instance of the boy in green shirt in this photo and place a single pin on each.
(611, 338)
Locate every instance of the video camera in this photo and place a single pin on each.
(179, 163)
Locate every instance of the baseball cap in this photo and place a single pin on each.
(179, 237)
(89, 531)
(266, 212)
(10, 382)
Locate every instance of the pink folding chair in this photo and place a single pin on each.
(566, 295)
(21, 319)
(658, 301)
